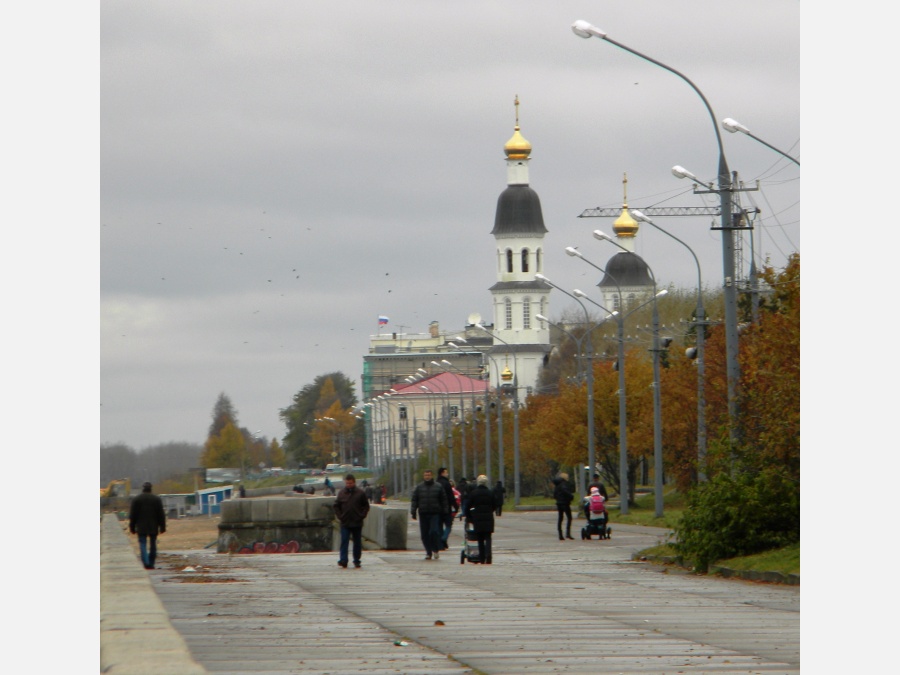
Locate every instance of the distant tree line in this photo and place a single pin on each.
(156, 463)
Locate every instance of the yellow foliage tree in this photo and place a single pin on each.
(225, 449)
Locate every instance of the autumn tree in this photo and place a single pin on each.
(752, 500)
(227, 449)
(310, 403)
(223, 413)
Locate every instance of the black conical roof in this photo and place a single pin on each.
(519, 212)
(626, 269)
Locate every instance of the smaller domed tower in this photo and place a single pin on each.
(627, 280)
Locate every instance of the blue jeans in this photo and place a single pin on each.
(148, 558)
(430, 529)
(346, 534)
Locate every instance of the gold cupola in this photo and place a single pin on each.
(625, 225)
(517, 147)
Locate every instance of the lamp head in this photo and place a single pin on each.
(540, 277)
(580, 294)
(734, 126)
(662, 293)
(583, 29)
(681, 172)
(640, 216)
(460, 338)
(541, 317)
(601, 235)
(422, 370)
(573, 252)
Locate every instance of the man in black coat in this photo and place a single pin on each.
(447, 524)
(147, 519)
(480, 513)
(351, 508)
(429, 501)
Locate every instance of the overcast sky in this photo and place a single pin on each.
(275, 175)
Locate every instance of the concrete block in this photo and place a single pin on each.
(259, 510)
(320, 508)
(235, 511)
(287, 510)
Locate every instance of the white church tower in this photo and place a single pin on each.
(522, 342)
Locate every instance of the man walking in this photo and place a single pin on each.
(429, 500)
(147, 519)
(447, 524)
(351, 508)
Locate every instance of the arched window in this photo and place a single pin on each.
(525, 260)
(509, 260)
(508, 304)
(526, 313)
(631, 298)
(537, 261)
(617, 304)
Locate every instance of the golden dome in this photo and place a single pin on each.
(625, 225)
(517, 147)
(506, 375)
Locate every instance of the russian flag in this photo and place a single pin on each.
(382, 320)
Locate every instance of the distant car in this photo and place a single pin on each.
(316, 472)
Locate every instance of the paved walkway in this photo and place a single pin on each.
(544, 606)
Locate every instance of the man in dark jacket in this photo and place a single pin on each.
(429, 501)
(447, 524)
(147, 519)
(480, 512)
(351, 508)
(563, 495)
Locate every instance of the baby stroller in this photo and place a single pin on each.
(598, 527)
(470, 546)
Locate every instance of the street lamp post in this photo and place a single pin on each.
(586, 30)
(592, 460)
(657, 404)
(461, 417)
(487, 416)
(445, 364)
(501, 456)
(700, 323)
(517, 477)
(589, 376)
(623, 435)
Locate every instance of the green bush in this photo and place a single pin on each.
(739, 513)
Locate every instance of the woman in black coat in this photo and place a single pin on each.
(480, 512)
